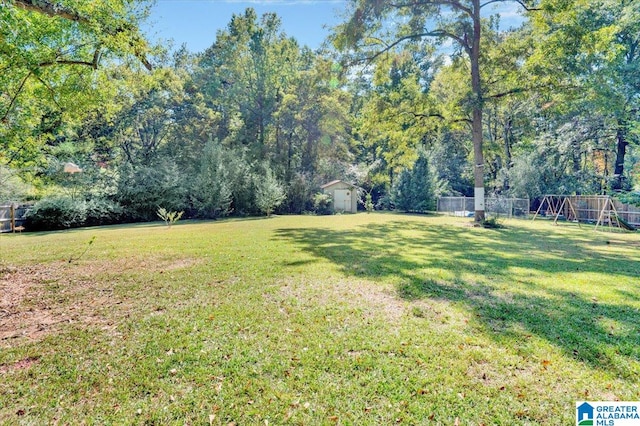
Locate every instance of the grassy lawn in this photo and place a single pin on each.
(353, 319)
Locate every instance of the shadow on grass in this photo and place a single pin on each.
(505, 295)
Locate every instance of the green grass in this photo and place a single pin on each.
(351, 319)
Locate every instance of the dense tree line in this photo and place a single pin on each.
(256, 123)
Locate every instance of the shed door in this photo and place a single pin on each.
(342, 200)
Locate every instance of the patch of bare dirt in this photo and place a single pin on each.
(39, 299)
(23, 364)
(19, 315)
(372, 298)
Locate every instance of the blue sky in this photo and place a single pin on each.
(195, 22)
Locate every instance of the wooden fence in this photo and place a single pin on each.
(12, 217)
(596, 209)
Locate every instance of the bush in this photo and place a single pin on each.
(630, 198)
(101, 211)
(56, 213)
(322, 203)
(299, 194)
(141, 189)
(269, 193)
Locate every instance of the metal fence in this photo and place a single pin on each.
(465, 206)
(12, 217)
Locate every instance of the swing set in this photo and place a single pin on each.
(600, 210)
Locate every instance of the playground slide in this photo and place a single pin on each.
(626, 225)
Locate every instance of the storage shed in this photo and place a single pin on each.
(343, 194)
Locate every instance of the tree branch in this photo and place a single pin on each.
(440, 116)
(66, 62)
(434, 33)
(520, 2)
(526, 89)
(58, 61)
(55, 10)
(51, 9)
(453, 3)
(13, 99)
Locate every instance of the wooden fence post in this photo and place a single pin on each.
(12, 215)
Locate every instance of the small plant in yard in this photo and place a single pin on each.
(86, 249)
(169, 217)
(368, 202)
(493, 222)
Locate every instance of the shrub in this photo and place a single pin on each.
(322, 203)
(56, 213)
(368, 202)
(299, 194)
(142, 188)
(101, 211)
(493, 222)
(269, 193)
(169, 217)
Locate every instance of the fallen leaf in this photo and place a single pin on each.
(457, 422)
(333, 418)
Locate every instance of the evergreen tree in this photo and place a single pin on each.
(212, 192)
(269, 193)
(415, 188)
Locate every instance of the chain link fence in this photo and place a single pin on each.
(464, 206)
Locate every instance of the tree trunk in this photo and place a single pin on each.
(621, 152)
(476, 126)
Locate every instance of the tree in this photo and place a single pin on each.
(415, 188)
(269, 193)
(457, 20)
(277, 102)
(392, 121)
(212, 194)
(591, 51)
(50, 68)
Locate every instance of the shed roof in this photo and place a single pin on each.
(333, 182)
